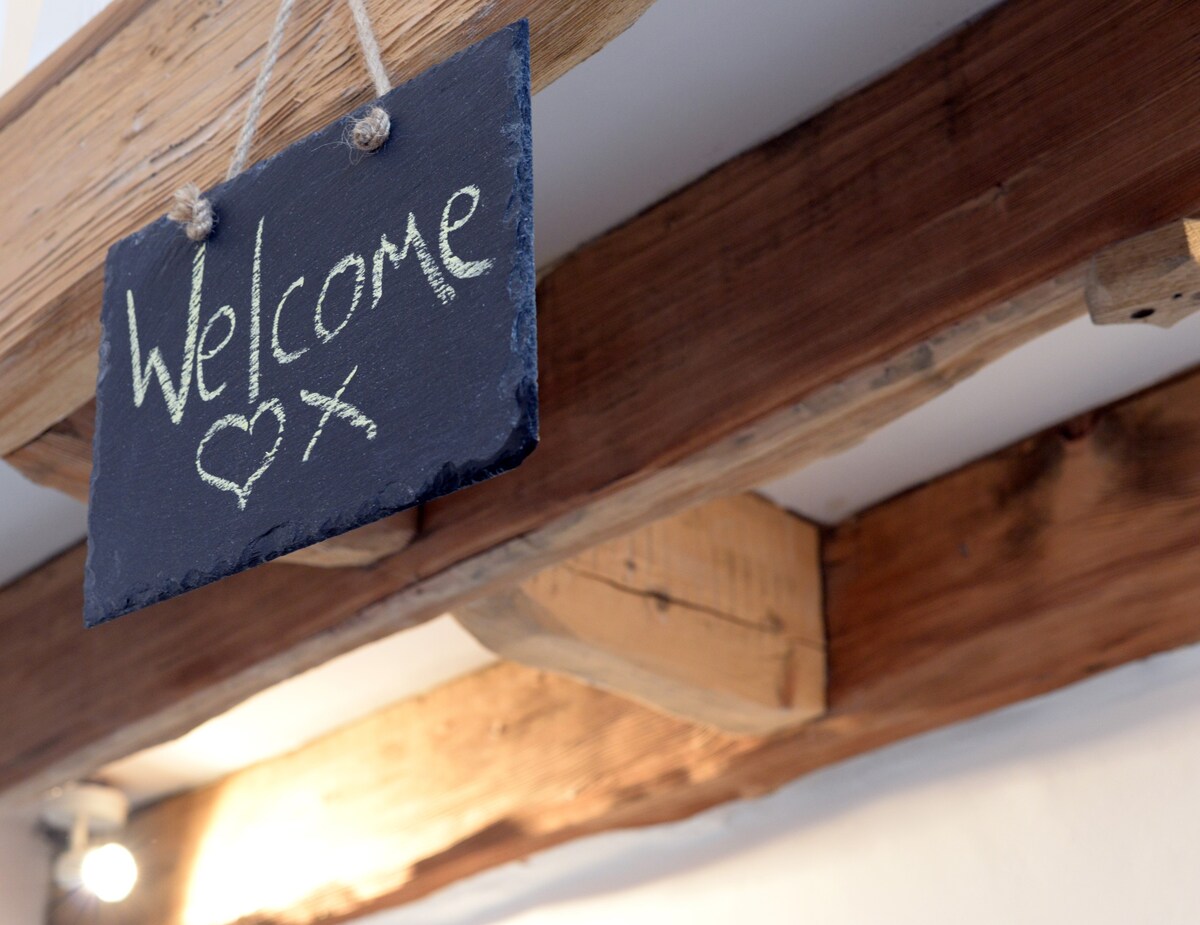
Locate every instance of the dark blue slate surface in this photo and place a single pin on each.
(446, 384)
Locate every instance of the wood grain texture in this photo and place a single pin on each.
(1083, 537)
(75, 699)
(62, 457)
(483, 770)
(872, 267)
(157, 101)
(1153, 278)
(364, 546)
(1000, 158)
(57, 65)
(714, 615)
(1068, 554)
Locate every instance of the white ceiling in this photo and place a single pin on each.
(35, 522)
(694, 82)
(300, 709)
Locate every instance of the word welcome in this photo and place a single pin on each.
(203, 343)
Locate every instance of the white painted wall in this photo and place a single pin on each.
(35, 523)
(695, 82)
(31, 29)
(1080, 808)
(24, 869)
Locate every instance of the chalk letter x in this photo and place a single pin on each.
(335, 405)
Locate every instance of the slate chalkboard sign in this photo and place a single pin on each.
(357, 336)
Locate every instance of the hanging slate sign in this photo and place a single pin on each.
(357, 336)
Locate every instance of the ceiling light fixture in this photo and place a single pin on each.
(90, 814)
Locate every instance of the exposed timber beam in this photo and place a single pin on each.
(61, 458)
(714, 615)
(364, 546)
(76, 699)
(157, 101)
(57, 65)
(1070, 553)
(825, 282)
(1153, 278)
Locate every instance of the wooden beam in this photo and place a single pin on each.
(30, 326)
(484, 770)
(364, 546)
(1044, 564)
(1062, 556)
(62, 457)
(714, 615)
(77, 699)
(1153, 278)
(875, 255)
(57, 65)
(143, 160)
(158, 102)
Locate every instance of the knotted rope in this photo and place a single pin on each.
(368, 133)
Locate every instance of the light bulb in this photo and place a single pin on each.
(108, 872)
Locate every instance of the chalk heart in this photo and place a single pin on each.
(242, 423)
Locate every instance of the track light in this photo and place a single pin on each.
(91, 814)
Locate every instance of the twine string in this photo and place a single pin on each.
(194, 212)
(250, 124)
(372, 130)
(370, 47)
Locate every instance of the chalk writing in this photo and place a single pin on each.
(255, 305)
(357, 335)
(342, 409)
(240, 422)
(176, 398)
(463, 269)
(282, 356)
(198, 350)
(203, 353)
(360, 276)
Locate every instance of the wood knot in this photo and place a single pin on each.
(372, 130)
(193, 211)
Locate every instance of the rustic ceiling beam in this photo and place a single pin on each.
(714, 615)
(1153, 278)
(76, 699)
(1065, 555)
(151, 96)
(822, 284)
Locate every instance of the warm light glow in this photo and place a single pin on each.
(108, 872)
(280, 855)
